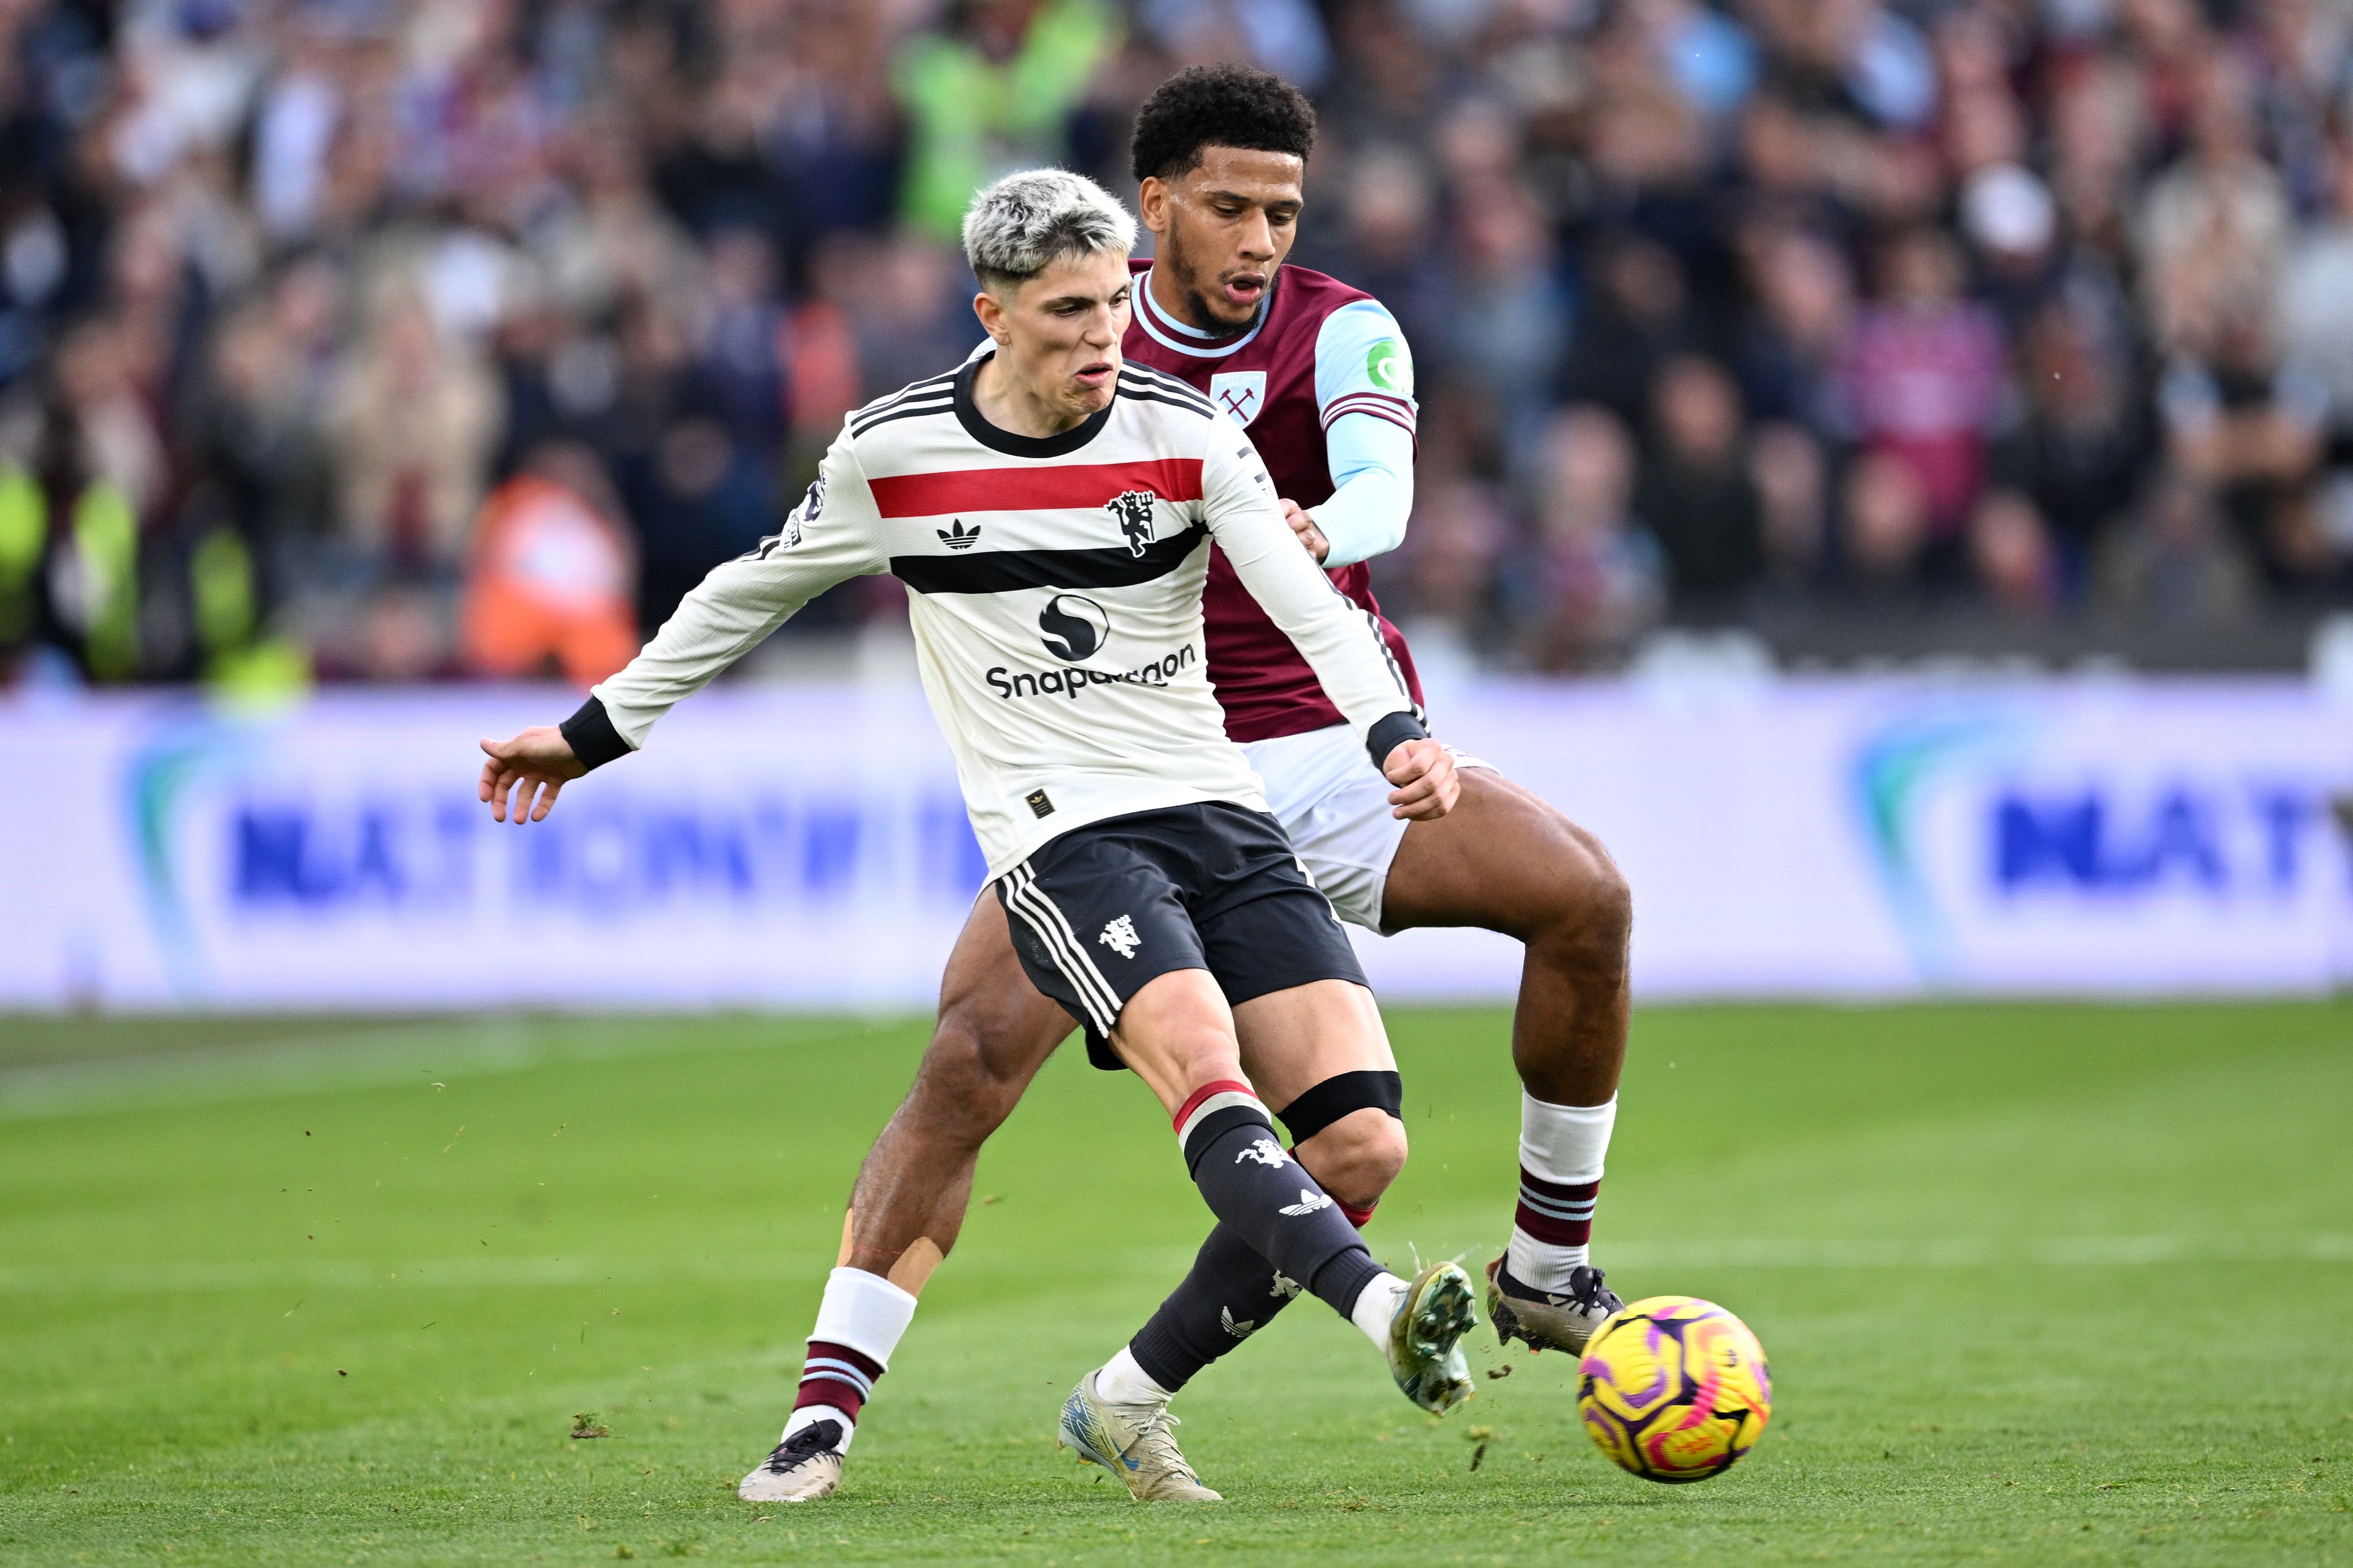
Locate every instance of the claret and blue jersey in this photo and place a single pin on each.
(1323, 384)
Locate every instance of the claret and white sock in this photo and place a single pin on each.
(858, 1326)
(1562, 1148)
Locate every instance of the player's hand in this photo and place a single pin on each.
(1303, 523)
(540, 761)
(1423, 772)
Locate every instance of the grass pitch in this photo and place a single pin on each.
(2039, 1284)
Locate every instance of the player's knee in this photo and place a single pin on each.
(1356, 1157)
(1589, 914)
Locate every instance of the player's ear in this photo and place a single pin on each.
(1152, 204)
(992, 316)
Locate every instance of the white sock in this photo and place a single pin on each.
(862, 1313)
(1562, 1151)
(809, 1414)
(1122, 1382)
(1376, 1304)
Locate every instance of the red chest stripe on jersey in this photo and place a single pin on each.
(1033, 488)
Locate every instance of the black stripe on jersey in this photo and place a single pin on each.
(914, 392)
(1162, 378)
(1008, 571)
(929, 384)
(1144, 379)
(1187, 403)
(908, 411)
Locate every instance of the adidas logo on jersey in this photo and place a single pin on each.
(955, 536)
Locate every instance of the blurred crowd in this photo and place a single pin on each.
(416, 339)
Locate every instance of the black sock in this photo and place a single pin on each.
(1229, 1295)
(1270, 1205)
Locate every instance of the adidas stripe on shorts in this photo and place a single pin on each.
(1101, 911)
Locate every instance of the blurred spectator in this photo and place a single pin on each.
(1639, 313)
(1924, 373)
(549, 585)
(2012, 551)
(415, 418)
(2214, 228)
(992, 92)
(1792, 483)
(2178, 568)
(1794, 344)
(1697, 494)
(2315, 310)
(1885, 525)
(2078, 452)
(1597, 576)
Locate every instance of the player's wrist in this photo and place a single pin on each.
(592, 736)
(1388, 734)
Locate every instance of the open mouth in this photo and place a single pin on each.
(1245, 289)
(1097, 374)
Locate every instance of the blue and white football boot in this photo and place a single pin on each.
(1132, 1442)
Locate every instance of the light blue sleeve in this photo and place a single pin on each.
(1363, 391)
(1362, 361)
(1372, 465)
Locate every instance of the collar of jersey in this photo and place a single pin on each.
(1170, 334)
(968, 415)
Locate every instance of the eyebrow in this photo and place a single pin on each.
(1128, 288)
(1224, 196)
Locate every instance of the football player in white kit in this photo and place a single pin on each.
(1050, 510)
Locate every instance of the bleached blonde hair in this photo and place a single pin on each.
(1018, 226)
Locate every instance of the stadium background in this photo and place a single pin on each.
(354, 349)
(1884, 466)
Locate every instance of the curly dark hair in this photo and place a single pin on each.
(1218, 106)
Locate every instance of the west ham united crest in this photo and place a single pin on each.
(1241, 393)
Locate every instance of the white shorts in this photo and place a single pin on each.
(1334, 806)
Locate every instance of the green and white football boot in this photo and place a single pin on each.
(1426, 1337)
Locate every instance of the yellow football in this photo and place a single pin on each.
(1674, 1388)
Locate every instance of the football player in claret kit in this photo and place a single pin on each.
(1050, 510)
(1320, 376)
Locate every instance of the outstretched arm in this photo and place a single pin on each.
(830, 536)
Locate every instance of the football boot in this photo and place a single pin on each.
(1548, 1321)
(1426, 1337)
(1132, 1442)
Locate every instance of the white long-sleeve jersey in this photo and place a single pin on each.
(1055, 590)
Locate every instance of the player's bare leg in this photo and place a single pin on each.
(1505, 860)
(995, 1031)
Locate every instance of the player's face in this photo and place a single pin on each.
(1058, 334)
(1224, 227)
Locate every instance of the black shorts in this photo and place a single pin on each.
(1103, 908)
